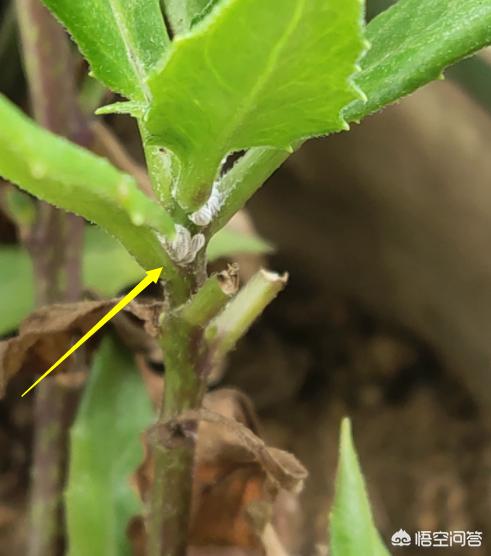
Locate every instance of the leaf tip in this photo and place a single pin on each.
(346, 432)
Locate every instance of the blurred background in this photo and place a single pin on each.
(385, 232)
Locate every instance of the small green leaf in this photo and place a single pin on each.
(352, 531)
(413, 42)
(69, 177)
(105, 450)
(121, 39)
(227, 243)
(107, 270)
(135, 109)
(253, 73)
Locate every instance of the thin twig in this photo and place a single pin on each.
(211, 298)
(223, 333)
(55, 244)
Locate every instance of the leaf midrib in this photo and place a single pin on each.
(132, 53)
(263, 78)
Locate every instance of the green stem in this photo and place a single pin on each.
(240, 183)
(160, 170)
(185, 384)
(210, 298)
(188, 357)
(187, 363)
(187, 366)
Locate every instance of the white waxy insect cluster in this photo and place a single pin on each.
(205, 214)
(183, 248)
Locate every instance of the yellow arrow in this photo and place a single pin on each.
(152, 276)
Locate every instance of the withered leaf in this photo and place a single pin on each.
(48, 332)
(237, 476)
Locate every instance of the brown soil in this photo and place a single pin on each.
(423, 445)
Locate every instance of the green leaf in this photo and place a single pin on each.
(105, 450)
(413, 42)
(228, 242)
(121, 39)
(107, 269)
(69, 177)
(352, 531)
(182, 14)
(253, 73)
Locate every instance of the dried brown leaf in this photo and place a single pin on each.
(236, 481)
(48, 332)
